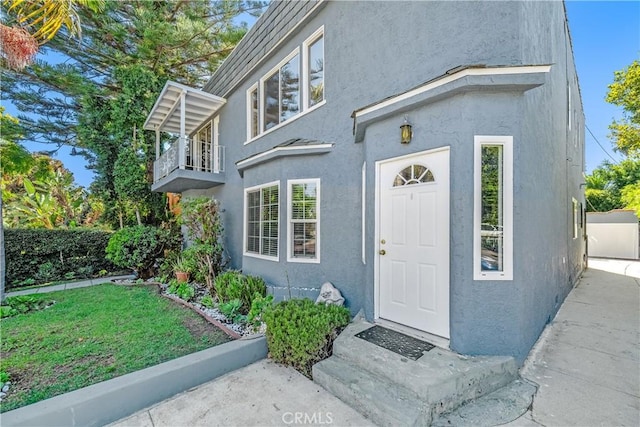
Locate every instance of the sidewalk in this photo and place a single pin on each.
(65, 286)
(587, 361)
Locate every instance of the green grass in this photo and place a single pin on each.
(95, 334)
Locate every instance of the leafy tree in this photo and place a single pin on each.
(614, 186)
(37, 22)
(98, 99)
(625, 92)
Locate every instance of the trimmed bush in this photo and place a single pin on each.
(300, 333)
(138, 248)
(36, 256)
(233, 285)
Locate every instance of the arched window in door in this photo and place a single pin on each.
(414, 174)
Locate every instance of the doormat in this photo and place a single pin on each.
(397, 342)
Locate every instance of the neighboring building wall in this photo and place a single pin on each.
(613, 234)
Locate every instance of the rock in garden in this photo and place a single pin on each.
(329, 294)
(2, 394)
(5, 388)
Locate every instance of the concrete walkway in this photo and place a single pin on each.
(65, 286)
(587, 361)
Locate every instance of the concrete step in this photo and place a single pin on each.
(383, 402)
(441, 380)
(500, 407)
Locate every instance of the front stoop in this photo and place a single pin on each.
(392, 390)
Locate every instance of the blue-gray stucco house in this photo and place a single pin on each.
(425, 157)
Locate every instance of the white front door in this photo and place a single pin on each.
(413, 241)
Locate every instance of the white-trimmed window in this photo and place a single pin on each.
(493, 208)
(281, 92)
(290, 89)
(253, 111)
(313, 69)
(262, 208)
(304, 220)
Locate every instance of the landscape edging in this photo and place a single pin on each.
(111, 400)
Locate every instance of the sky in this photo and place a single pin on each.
(605, 37)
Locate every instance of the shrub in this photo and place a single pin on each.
(201, 217)
(300, 333)
(231, 311)
(259, 306)
(63, 251)
(232, 285)
(137, 248)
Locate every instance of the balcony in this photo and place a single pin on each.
(187, 165)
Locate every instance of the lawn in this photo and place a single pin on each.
(95, 334)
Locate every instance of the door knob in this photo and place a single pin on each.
(382, 252)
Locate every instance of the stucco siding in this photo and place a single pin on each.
(374, 50)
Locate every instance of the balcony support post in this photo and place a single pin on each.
(182, 143)
(158, 144)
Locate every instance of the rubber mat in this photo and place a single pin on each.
(397, 342)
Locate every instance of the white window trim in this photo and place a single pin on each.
(264, 78)
(305, 67)
(290, 257)
(507, 191)
(304, 93)
(286, 122)
(253, 87)
(245, 252)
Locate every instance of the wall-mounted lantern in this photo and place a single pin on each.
(405, 132)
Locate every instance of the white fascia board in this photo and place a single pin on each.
(494, 71)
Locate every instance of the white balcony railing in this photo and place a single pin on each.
(189, 155)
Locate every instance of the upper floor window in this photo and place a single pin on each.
(294, 86)
(493, 201)
(314, 72)
(253, 101)
(281, 91)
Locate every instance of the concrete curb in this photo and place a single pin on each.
(111, 400)
(66, 286)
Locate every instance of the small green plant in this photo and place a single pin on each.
(207, 301)
(23, 304)
(4, 377)
(231, 311)
(70, 275)
(27, 282)
(173, 285)
(47, 272)
(232, 285)
(259, 306)
(102, 273)
(184, 264)
(301, 333)
(185, 291)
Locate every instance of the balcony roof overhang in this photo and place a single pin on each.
(166, 114)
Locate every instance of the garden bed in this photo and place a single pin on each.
(93, 334)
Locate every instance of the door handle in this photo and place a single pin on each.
(382, 252)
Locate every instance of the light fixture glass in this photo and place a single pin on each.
(405, 132)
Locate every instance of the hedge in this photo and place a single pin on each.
(36, 256)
